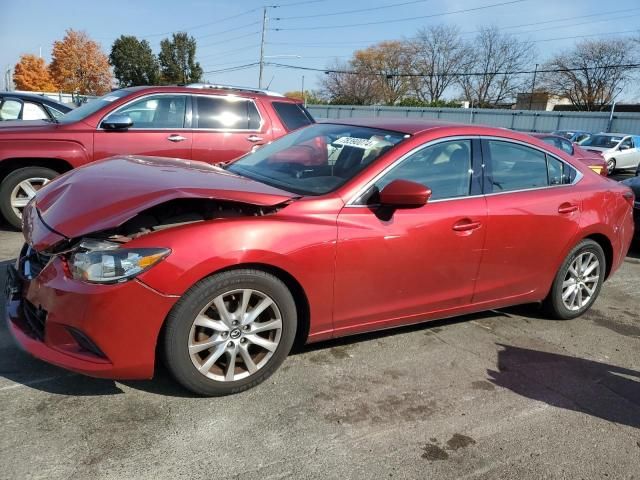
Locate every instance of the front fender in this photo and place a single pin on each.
(74, 153)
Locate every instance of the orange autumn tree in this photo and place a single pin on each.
(31, 74)
(79, 65)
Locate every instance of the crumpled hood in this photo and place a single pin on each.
(107, 193)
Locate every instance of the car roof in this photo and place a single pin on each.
(402, 125)
(215, 89)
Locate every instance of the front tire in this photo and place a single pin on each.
(230, 332)
(611, 165)
(578, 282)
(18, 188)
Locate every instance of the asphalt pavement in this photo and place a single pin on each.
(498, 395)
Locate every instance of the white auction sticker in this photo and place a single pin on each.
(356, 142)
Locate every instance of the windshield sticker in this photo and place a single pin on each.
(357, 142)
(110, 98)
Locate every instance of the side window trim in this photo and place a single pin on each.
(185, 120)
(194, 119)
(487, 163)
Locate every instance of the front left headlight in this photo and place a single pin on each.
(98, 261)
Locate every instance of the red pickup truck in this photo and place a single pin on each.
(210, 123)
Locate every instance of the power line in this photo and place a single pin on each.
(369, 9)
(234, 69)
(229, 52)
(240, 27)
(225, 40)
(456, 74)
(405, 19)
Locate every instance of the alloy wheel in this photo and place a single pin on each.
(24, 191)
(235, 335)
(581, 281)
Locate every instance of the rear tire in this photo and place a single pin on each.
(13, 196)
(578, 282)
(216, 344)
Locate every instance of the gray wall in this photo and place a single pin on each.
(525, 120)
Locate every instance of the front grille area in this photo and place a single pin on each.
(34, 318)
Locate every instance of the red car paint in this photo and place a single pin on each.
(592, 159)
(355, 271)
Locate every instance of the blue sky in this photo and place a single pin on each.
(316, 41)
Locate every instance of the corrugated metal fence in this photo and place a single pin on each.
(524, 120)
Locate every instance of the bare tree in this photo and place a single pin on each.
(438, 52)
(492, 56)
(348, 88)
(592, 74)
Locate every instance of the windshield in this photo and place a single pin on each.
(92, 106)
(602, 141)
(317, 159)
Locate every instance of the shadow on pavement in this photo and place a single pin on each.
(598, 389)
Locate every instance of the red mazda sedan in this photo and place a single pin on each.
(334, 229)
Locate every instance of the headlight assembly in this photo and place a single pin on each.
(98, 261)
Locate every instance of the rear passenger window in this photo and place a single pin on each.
(293, 115)
(33, 111)
(10, 110)
(516, 167)
(227, 113)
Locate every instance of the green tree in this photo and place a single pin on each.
(133, 62)
(177, 59)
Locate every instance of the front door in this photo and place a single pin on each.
(393, 270)
(159, 129)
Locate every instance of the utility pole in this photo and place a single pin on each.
(304, 97)
(264, 32)
(533, 86)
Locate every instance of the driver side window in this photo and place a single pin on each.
(444, 167)
(158, 111)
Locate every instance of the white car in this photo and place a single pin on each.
(619, 150)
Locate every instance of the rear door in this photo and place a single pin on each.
(227, 127)
(161, 127)
(533, 215)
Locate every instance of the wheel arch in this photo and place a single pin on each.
(299, 296)
(607, 247)
(11, 164)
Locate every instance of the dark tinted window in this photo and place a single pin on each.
(444, 167)
(293, 115)
(559, 173)
(230, 113)
(516, 167)
(628, 143)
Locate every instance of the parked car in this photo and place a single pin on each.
(27, 106)
(591, 159)
(620, 151)
(634, 184)
(573, 135)
(199, 122)
(332, 230)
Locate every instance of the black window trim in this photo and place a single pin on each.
(487, 165)
(231, 130)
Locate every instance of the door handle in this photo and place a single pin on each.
(567, 208)
(466, 225)
(254, 138)
(176, 138)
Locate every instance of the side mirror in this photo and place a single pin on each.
(404, 194)
(117, 122)
(624, 147)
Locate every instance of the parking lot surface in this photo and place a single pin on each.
(502, 394)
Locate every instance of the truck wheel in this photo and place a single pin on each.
(18, 188)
